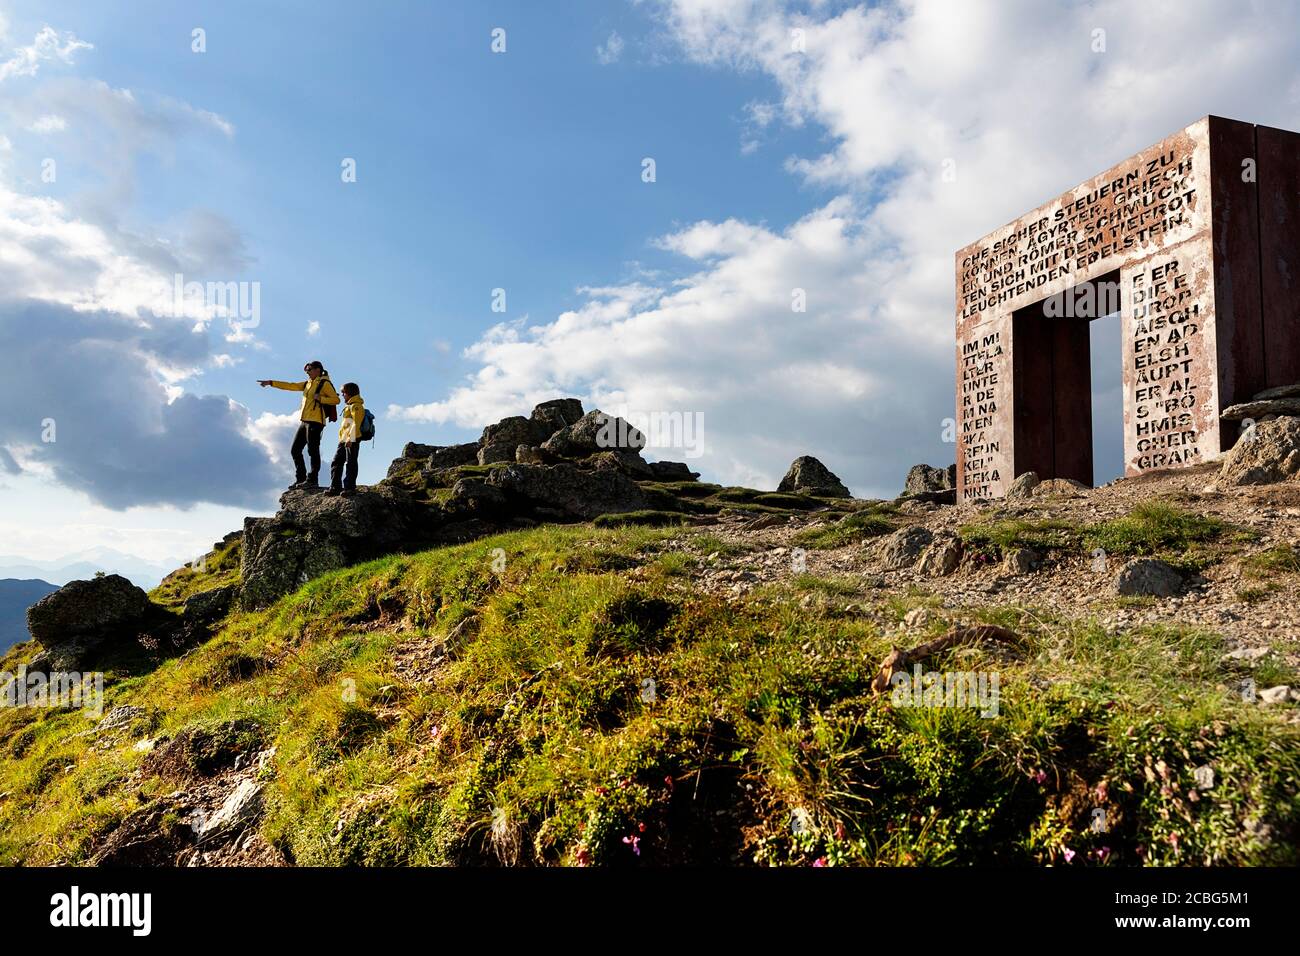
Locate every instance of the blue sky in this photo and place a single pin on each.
(798, 146)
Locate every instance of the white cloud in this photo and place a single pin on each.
(610, 51)
(313, 327)
(49, 123)
(1011, 91)
(49, 44)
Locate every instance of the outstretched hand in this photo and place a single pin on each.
(264, 382)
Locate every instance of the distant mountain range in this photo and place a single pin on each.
(84, 564)
(15, 598)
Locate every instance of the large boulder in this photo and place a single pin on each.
(496, 451)
(1280, 391)
(1024, 485)
(922, 478)
(808, 476)
(569, 490)
(672, 471)
(1267, 453)
(594, 432)
(314, 533)
(903, 548)
(452, 456)
(86, 612)
(512, 432)
(556, 414)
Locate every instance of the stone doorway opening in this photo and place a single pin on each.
(1053, 365)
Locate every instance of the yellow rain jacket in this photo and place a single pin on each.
(350, 419)
(314, 395)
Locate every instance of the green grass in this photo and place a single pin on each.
(217, 569)
(1279, 559)
(534, 743)
(651, 518)
(1154, 527)
(853, 528)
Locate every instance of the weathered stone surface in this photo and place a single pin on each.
(496, 451)
(1258, 409)
(1024, 485)
(452, 456)
(150, 836)
(926, 478)
(1059, 486)
(1281, 391)
(413, 449)
(240, 808)
(1021, 561)
(1148, 577)
(594, 432)
(942, 556)
(1268, 453)
(313, 534)
(569, 490)
(673, 471)
(556, 414)
(208, 606)
(808, 476)
(513, 432)
(532, 455)
(86, 610)
(903, 548)
(623, 459)
(475, 495)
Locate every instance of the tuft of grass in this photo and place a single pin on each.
(1279, 559)
(853, 528)
(647, 517)
(1153, 527)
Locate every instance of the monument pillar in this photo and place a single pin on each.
(1195, 241)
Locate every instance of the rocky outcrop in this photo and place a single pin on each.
(1024, 485)
(569, 491)
(80, 617)
(1259, 408)
(672, 471)
(903, 548)
(1268, 452)
(594, 432)
(923, 478)
(808, 476)
(313, 534)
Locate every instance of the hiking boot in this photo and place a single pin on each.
(333, 492)
(311, 484)
(349, 492)
(298, 484)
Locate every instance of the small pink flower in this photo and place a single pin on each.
(820, 861)
(1040, 777)
(1069, 854)
(634, 842)
(1103, 853)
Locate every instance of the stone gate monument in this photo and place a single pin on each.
(1196, 243)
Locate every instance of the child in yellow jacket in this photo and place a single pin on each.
(344, 466)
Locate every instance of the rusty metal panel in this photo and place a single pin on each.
(1239, 334)
(1278, 170)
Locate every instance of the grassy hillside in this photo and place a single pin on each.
(491, 704)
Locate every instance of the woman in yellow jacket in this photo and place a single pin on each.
(349, 444)
(317, 393)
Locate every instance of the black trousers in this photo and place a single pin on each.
(345, 457)
(308, 435)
